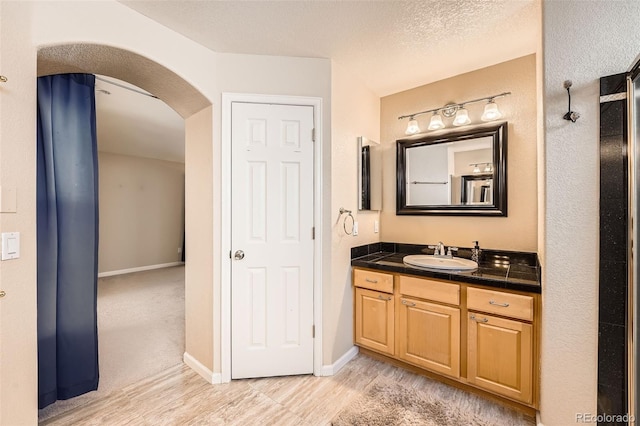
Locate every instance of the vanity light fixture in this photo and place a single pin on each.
(436, 122)
(491, 112)
(488, 167)
(412, 127)
(462, 117)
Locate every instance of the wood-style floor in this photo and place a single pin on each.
(179, 396)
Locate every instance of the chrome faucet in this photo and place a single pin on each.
(440, 250)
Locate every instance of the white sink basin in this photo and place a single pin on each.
(433, 262)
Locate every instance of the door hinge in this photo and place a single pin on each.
(313, 135)
(313, 331)
(313, 233)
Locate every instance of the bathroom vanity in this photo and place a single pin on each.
(477, 329)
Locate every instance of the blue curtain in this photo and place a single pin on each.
(67, 237)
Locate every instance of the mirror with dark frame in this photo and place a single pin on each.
(461, 172)
(369, 175)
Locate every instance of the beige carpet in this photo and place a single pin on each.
(140, 331)
(416, 400)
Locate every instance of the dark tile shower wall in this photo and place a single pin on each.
(612, 380)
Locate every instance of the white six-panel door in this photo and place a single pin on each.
(271, 239)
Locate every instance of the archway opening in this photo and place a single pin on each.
(196, 110)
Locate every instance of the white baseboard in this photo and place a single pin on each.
(538, 421)
(199, 368)
(138, 269)
(330, 370)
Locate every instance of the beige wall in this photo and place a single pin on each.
(200, 233)
(583, 41)
(18, 351)
(355, 111)
(141, 212)
(518, 231)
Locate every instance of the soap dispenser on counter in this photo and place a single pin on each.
(475, 252)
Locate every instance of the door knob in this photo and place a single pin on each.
(2, 293)
(238, 255)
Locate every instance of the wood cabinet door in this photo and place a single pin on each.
(374, 320)
(429, 336)
(500, 355)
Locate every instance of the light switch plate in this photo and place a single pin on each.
(10, 245)
(355, 229)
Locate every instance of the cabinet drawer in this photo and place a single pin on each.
(437, 291)
(373, 280)
(500, 303)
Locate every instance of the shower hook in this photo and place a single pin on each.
(344, 222)
(3, 79)
(570, 115)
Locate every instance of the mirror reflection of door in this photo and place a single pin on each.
(428, 176)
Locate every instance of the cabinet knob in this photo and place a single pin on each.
(411, 304)
(387, 298)
(494, 303)
(369, 280)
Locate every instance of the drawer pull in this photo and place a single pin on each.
(410, 304)
(369, 280)
(473, 317)
(494, 303)
(387, 298)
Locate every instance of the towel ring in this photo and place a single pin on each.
(344, 221)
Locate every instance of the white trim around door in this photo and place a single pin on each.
(225, 296)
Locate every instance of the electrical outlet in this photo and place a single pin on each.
(376, 226)
(355, 228)
(179, 250)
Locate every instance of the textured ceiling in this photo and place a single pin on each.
(390, 45)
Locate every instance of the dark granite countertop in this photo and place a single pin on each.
(499, 269)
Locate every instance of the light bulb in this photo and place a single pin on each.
(412, 127)
(488, 168)
(436, 122)
(476, 169)
(491, 112)
(462, 117)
